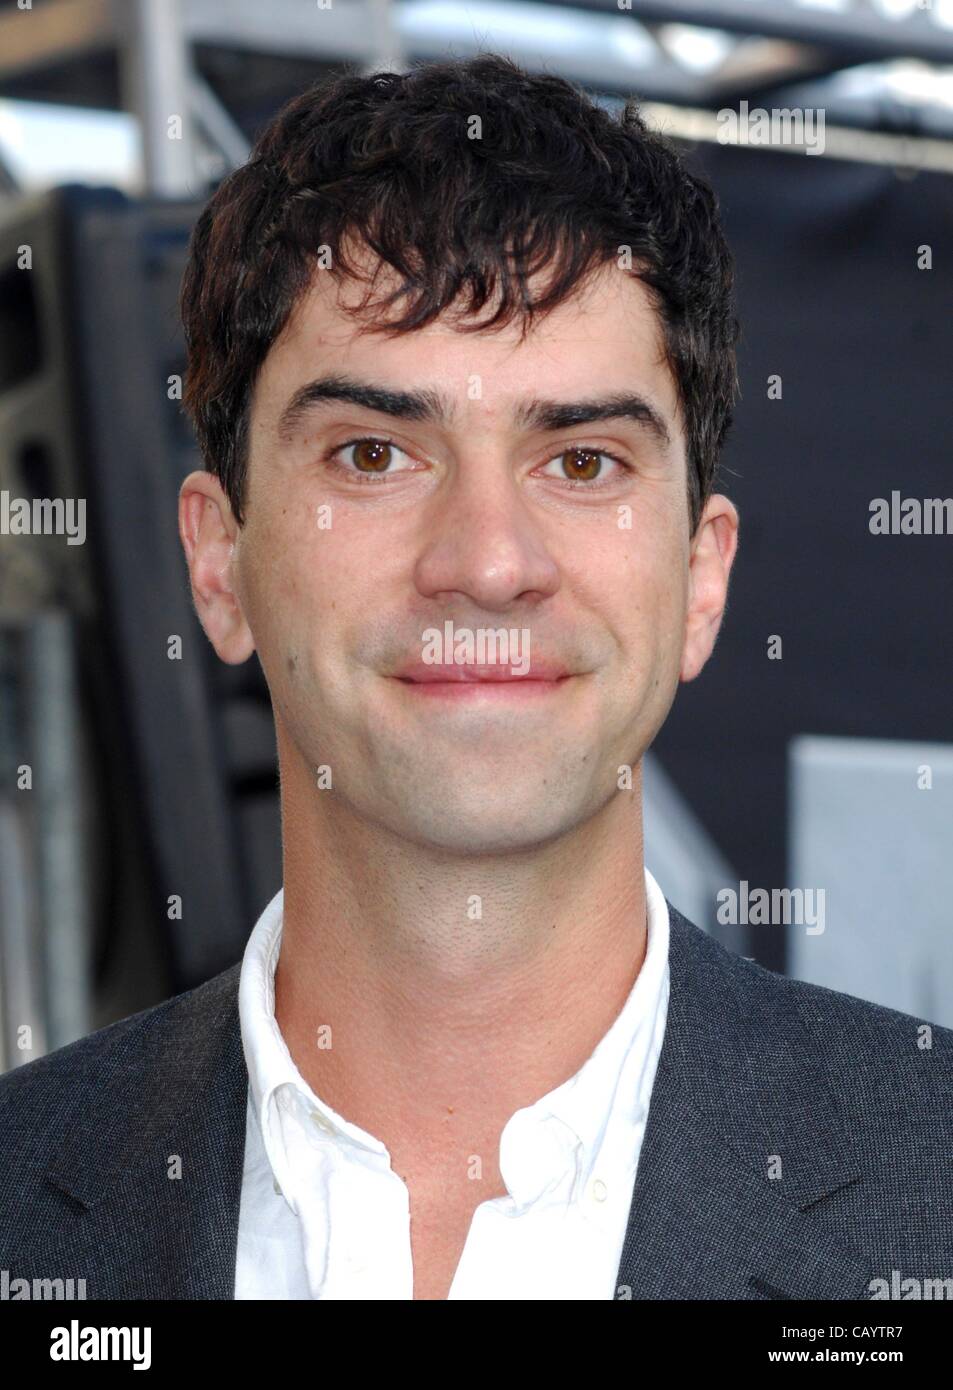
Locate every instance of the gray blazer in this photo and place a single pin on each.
(758, 1075)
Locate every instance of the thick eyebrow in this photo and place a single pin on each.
(622, 405)
(436, 408)
(403, 405)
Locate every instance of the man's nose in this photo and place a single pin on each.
(483, 539)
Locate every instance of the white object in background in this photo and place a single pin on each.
(864, 826)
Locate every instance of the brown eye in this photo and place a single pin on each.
(373, 459)
(581, 465)
(587, 469)
(371, 455)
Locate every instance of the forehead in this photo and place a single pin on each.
(606, 336)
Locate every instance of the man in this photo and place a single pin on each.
(461, 362)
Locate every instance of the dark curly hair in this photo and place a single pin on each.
(386, 161)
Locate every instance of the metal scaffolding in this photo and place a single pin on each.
(201, 75)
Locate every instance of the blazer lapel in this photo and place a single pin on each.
(740, 1094)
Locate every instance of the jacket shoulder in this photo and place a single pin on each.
(872, 1054)
(119, 1057)
(87, 1132)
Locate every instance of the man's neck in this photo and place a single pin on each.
(426, 997)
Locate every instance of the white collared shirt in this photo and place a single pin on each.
(324, 1216)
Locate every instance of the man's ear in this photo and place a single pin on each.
(209, 535)
(712, 553)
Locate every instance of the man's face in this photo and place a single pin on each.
(484, 521)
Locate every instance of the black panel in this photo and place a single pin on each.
(830, 298)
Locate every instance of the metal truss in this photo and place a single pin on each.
(199, 59)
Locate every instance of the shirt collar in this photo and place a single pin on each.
(571, 1118)
(561, 1135)
(272, 1072)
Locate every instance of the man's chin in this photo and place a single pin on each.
(492, 830)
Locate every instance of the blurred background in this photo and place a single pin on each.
(139, 819)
